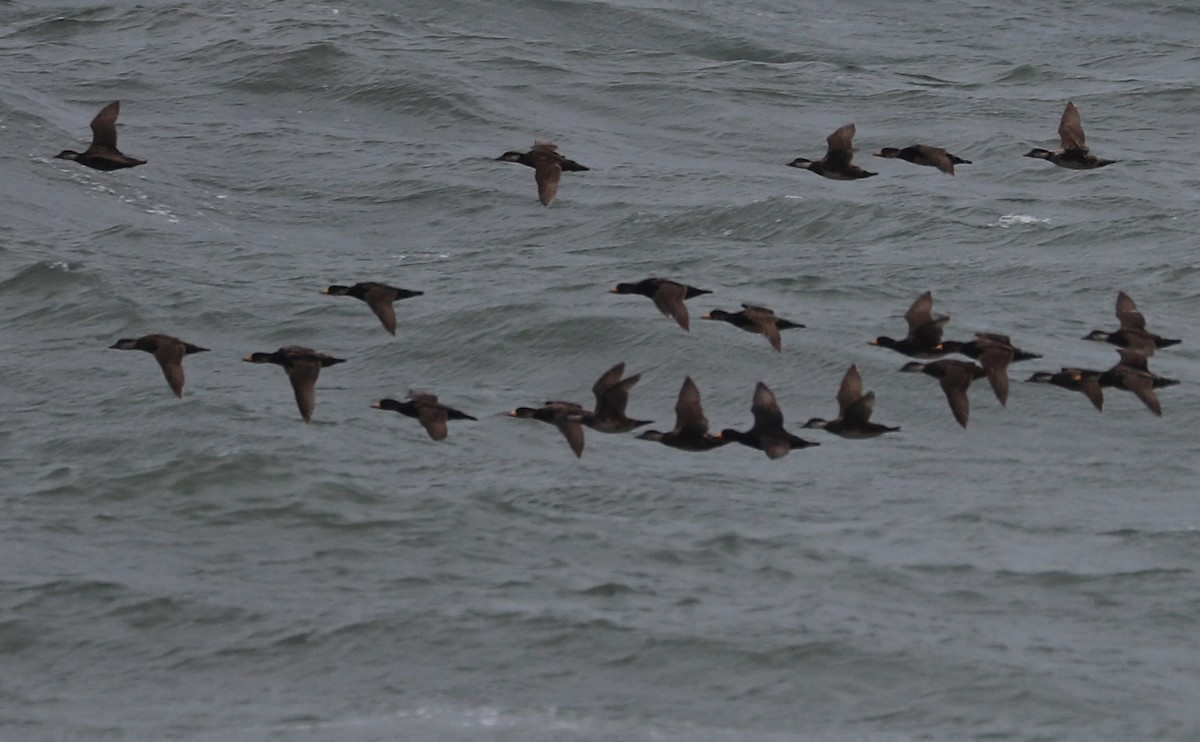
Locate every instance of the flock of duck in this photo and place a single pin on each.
(990, 353)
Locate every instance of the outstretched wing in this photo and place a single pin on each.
(1070, 129)
(104, 127)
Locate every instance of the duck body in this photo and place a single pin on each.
(756, 319)
(851, 429)
(426, 409)
(102, 153)
(548, 166)
(377, 296)
(1071, 159)
(975, 348)
(668, 296)
(167, 350)
(691, 426)
(836, 164)
(303, 366)
(923, 154)
(1132, 338)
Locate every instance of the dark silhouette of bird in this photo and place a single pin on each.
(102, 153)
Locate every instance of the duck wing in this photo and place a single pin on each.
(765, 409)
(936, 157)
(1070, 129)
(995, 359)
(920, 313)
(104, 128)
(954, 382)
(850, 391)
(303, 373)
(169, 354)
(669, 300)
(1142, 384)
(689, 416)
(1090, 386)
(764, 320)
(841, 147)
(860, 410)
(547, 173)
(430, 413)
(607, 382)
(379, 298)
(1128, 314)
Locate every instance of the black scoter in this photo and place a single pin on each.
(167, 350)
(102, 153)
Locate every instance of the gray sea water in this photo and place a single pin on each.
(212, 568)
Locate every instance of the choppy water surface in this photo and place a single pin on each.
(211, 568)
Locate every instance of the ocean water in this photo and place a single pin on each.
(212, 568)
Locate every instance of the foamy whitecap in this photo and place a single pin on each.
(1009, 220)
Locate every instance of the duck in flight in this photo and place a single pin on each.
(836, 164)
(548, 166)
(924, 336)
(668, 296)
(955, 378)
(854, 411)
(302, 365)
(1132, 332)
(767, 433)
(103, 154)
(691, 426)
(923, 154)
(167, 350)
(378, 296)
(1073, 154)
(756, 319)
(426, 409)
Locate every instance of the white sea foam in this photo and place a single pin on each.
(1009, 220)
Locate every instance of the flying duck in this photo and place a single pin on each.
(924, 331)
(1132, 333)
(1075, 379)
(955, 378)
(425, 408)
(767, 433)
(836, 164)
(378, 296)
(756, 319)
(691, 426)
(994, 352)
(102, 153)
(1073, 154)
(302, 365)
(566, 416)
(612, 396)
(854, 411)
(167, 350)
(667, 295)
(923, 154)
(1132, 374)
(548, 167)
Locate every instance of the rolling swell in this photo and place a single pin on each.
(212, 568)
